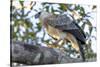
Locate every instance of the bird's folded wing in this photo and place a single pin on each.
(78, 33)
(64, 23)
(57, 20)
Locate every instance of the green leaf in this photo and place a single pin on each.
(52, 9)
(47, 8)
(63, 7)
(90, 29)
(83, 26)
(77, 7)
(31, 34)
(90, 25)
(39, 26)
(21, 3)
(28, 24)
(82, 12)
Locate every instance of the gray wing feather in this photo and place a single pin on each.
(59, 20)
(64, 23)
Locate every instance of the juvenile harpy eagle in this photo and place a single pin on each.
(61, 27)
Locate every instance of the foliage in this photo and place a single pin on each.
(26, 28)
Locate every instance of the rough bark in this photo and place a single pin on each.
(29, 54)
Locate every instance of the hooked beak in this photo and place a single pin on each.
(38, 15)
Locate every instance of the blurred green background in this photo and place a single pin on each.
(25, 27)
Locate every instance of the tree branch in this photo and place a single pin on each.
(29, 54)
